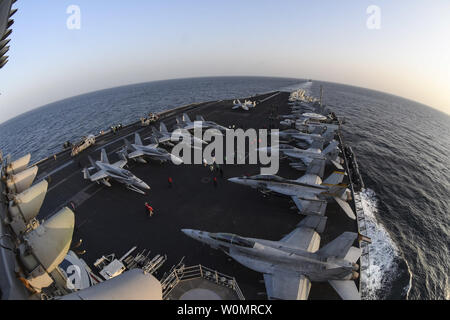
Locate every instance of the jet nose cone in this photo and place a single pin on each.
(143, 185)
(189, 232)
(237, 180)
(186, 231)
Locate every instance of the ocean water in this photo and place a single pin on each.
(403, 150)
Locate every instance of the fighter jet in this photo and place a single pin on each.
(200, 122)
(291, 264)
(139, 150)
(293, 134)
(247, 105)
(314, 127)
(309, 193)
(330, 153)
(163, 136)
(105, 171)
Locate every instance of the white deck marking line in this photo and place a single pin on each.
(115, 140)
(40, 178)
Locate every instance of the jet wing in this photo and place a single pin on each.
(346, 289)
(310, 206)
(120, 163)
(314, 172)
(317, 144)
(316, 167)
(99, 175)
(339, 247)
(305, 236)
(135, 154)
(286, 286)
(346, 207)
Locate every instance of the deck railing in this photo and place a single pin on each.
(361, 224)
(183, 273)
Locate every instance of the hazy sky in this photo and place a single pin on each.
(123, 42)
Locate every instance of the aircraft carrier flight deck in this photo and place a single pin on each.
(115, 219)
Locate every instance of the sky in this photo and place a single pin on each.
(125, 42)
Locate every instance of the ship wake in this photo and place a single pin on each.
(302, 85)
(384, 256)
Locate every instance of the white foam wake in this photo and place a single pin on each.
(302, 85)
(383, 253)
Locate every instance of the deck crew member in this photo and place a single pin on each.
(149, 208)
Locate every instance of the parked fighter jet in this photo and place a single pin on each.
(291, 264)
(293, 134)
(186, 123)
(331, 152)
(138, 151)
(210, 124)
(163, 136)
(247, 105)
(105, 171)
(309, 193)
(313, 127)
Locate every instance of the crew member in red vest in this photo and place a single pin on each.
(149, 208)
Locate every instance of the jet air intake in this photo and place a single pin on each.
(45, 248)
(25, 206)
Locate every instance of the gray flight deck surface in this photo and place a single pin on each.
(112, 220)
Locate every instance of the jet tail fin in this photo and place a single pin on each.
(104, 157)
(123, 153)
(137, 139)
(335, 178)
(128, 145)
(316, 167)
(200, 118)
(186, 118)
(123, 157)
(318, 130)
(331, 146)
(92, 162)
(346, 289)
(353, 254)
(317, 144)
(314, 222)
(346, 207)
(328, 136)
(339, 247)
(153, 140)
(336, 164)
(162, 127)
(86, 174)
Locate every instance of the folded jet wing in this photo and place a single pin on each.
(292, 286)
(341, 248)
(310, 206)
(287, 287)
(99, 175)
